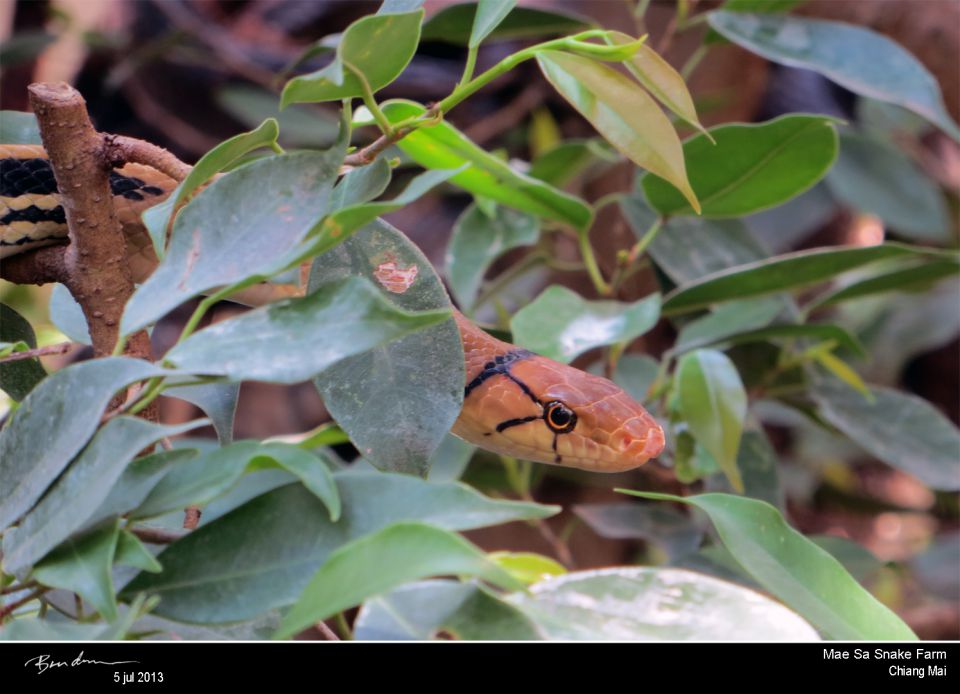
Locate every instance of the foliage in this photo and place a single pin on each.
(290, 536)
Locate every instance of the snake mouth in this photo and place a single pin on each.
(642, 446)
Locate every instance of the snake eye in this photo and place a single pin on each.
(560, 418)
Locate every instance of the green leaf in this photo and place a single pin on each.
(749, 168)
(490, 13)
(66, 314)
(381, 561)
(451, 458)
(378, 47)
(873, 176)
(419, 611)
(622, 112)
(83, 566)
(300, 126)
(914, 277)
(19, 128)
(726, 321)
(712, 400)
(18, 378)
(821, 332)
(217, 400)
(635, 373)
(794, 569)
(861, 60)
(157, 218)
(218, 239)
(136, 482)
(527, 567)
(656, 604)
(131, 552)
(291, 341)
(455, 23)
(661, 525)
(759, 467)
(282, 537)
(398, 400)
(660, 79)
(900, 429)
(858, 560)
(82, 488)
(442, 146)
(50, 413)
(560, 325)
(199, 480)
(361, 185)
(783, 272)
(840, 369)
(478, 240)
(559, 165)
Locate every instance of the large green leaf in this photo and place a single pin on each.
(80, 490)
(794, 569)
(854, 57)
(281, 538)
(478, 239)
(18, 378)
(873, 176)
(19, 128)
(419, 611)
(559, 324)
(157, 218)
(749, 167)
(62, 412)
(398, 400)
(374, 49)
(455, 24)
(913, 277)
(656, 604)
(900, 429)
(489, 14)
(728, 320)
(780, 273)
(300, 126)
(294, 340)
(713, 402)
(442, 146)
(66, 314)
(220, 239)
(217, 400)
(622, 112)
(82, 566)
(374, 564)
(788, 331)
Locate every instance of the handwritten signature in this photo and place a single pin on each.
(43, 662)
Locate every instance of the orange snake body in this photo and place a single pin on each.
(516, 403)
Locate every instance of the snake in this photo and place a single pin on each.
(515, 402)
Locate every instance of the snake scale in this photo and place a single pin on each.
(516, 402)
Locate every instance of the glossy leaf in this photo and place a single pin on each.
(291, 341)
(622, 112)
(49, 414)
(656, 604)
(381, 561)
(820, 332)
(18, 378)
(451, 458)
(283, 537)
(861, 60)
(527, 567)
(378, 47)
(478, 240)
(900, 429)
(909, 278)
(454, 24)
(781, 273)
(661, 525)
(489, 14)
(873, 176)
(421, 610)
(19, 128)
(80, 490)
(361, 185)
(217, 400)
(131, 552)
(728, 320)
(300, 126)
(442, 146)
(157, 218)
(570, 158)
(635, 373)
(218, 239)
(749, 167)
(559, 324)
(759, 467)
(660, 79)
(794, 569)
(398, 400)
(713, 402)
(82, 566)
(66, 314)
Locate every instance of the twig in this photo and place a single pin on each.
(12, 607)
(121, 149)
(328, 633)
(560, 548)
(18, 587)
(156, 536)
(61, 348)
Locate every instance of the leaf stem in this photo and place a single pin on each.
(469, 67)
(370, 102)
(590, 260)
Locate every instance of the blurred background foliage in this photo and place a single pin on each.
(187, 75)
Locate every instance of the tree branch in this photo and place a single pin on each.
(120, 150)
(61, 348)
